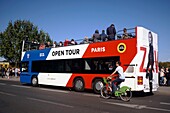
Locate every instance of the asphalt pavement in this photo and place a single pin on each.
(17, 98)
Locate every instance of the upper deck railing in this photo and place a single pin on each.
(28, 45)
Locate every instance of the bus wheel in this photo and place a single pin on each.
(79, 84)
(97, 85)
(34, 81)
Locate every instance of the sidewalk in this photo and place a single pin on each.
(11, 78)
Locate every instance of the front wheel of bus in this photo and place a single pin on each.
(79, 84)
(34, 81)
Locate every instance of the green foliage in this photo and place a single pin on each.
(11, 39)
(164, 64)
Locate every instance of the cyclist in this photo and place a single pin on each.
(120, 79)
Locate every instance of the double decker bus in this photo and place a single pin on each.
(83, 66)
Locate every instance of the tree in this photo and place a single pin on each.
(11, 39)
(164, 64)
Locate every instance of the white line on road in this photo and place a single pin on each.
(138, 106)
(91, 95)
(9, 94)
(164, 103)
(158, 109)
(127, 105)
(20, 86)
(59, 91)
(50, 102)
(2, 84)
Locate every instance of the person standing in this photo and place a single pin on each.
(162, 74)
(125, 34)
(111, 32)
(96, 36)
(103, 36)
(8, 72)
(167, 76)
(3, 71)
(16, 72)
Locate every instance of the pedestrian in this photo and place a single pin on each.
(162, 75)
(8, 72)
(16, 72)
(111, 32)
(13, 71)
(167, 76)
(3, 71)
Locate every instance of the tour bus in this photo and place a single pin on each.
(83, 66)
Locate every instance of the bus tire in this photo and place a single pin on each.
(79, 84)
(34, 81)
(97, 85)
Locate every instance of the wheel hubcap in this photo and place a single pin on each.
(99, 85)
(79, 84)
(34, 81)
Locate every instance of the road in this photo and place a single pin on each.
(17, 98)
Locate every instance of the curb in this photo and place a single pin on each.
(10, 78)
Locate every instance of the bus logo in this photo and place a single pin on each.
(42, 54)
(28, 55)
(121, 48)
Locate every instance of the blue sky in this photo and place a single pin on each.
(78, 18)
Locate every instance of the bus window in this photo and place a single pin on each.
(131, 68)
(87, 66)
(24, 66)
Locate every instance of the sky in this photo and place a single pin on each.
(79, 18)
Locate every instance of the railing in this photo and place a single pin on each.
(27, 45)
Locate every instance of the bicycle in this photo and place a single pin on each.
(124, 92)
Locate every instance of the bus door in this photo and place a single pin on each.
(25, 77)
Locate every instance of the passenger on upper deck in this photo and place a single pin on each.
(96, 36)
(125, 34)
(85, 41)
(42, 46)
(103, 36)
(60, 44)
(48, 45)
(54, 44)
(111, 32)
(73, 42)
(66, 42)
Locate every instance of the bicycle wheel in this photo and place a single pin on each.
(106, 92)
(127, 95)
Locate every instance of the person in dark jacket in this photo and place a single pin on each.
(103, 36)
(111, 32)
(96, 36)
(167, 75)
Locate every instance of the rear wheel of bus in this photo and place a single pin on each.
(79, 84)
(97, 85)
(34, 81)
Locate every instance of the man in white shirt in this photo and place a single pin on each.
(121, 76)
